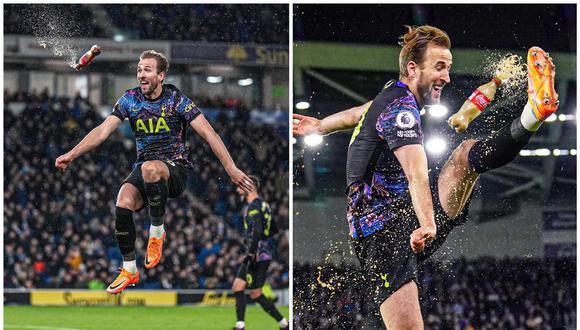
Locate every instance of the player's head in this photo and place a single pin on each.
(424, 61)
(255, 183)
(151, 71)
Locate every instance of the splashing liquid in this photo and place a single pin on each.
(53, 29)
(511, 69)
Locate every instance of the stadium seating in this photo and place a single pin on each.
(484, 293)
(66, 219)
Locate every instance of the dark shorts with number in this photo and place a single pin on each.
(175, 185)
(254, 273)
(386, 258)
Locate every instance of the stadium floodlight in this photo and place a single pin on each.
(313, 140)
(573, 152)
(551, 118)
(436, 146)
(245, 82)
(215, 79)
(525, 152)
(303, 105)
(119, 37)
(560, 152)
(437, 111)
(566, 117)
(542, 152)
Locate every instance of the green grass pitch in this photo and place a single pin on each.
(129, 317)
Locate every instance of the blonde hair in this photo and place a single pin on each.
(415, 43)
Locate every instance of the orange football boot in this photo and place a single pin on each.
(542, 96)
(154, 251)
(122, 281)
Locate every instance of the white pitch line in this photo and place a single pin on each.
(37, 327)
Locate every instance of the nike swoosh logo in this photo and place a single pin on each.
(120, 283)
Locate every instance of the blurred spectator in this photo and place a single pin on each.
(239, 23)
(484, 293)
(58, 226)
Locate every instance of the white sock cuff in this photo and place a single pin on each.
(529, 120)
(156, 231)
(130, 266)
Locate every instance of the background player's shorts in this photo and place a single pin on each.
(386, 258)
(444, 224)
(175, 185)
(254, 273)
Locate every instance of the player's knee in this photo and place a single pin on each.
(238, 286)
(461, 154)
(126, 202)
(255, 293)
(152, 170)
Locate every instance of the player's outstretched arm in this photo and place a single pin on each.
(92, 140)
(204, 129)
(340, 121)
(414, 163)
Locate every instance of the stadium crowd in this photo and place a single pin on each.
(484, 293)
(262, 24)
(58, 227)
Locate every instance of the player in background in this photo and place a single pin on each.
(259, 229)
(386, 161)
(159, 115)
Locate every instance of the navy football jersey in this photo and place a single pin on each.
(259, 229)
(160, 125)
(376, 183)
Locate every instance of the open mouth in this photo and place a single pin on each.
(438, 89)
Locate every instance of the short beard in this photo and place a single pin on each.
(152, 89)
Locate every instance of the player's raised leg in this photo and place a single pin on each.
(128, 200)
(401, 310)
(155, 174)
(471, 158)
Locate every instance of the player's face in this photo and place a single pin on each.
(148, 77)
(241, 192)
(433, 74)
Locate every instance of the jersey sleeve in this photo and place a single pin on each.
(400, 124)
(121, 108)
(187, 109)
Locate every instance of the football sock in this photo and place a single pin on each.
(500, 148)
(240, 305)
(269, 307)
(130, 266)
(125, 233)
(156, 197)
(156, 231)
(529, 120)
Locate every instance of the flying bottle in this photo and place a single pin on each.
(474, 105)
(88, 57)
